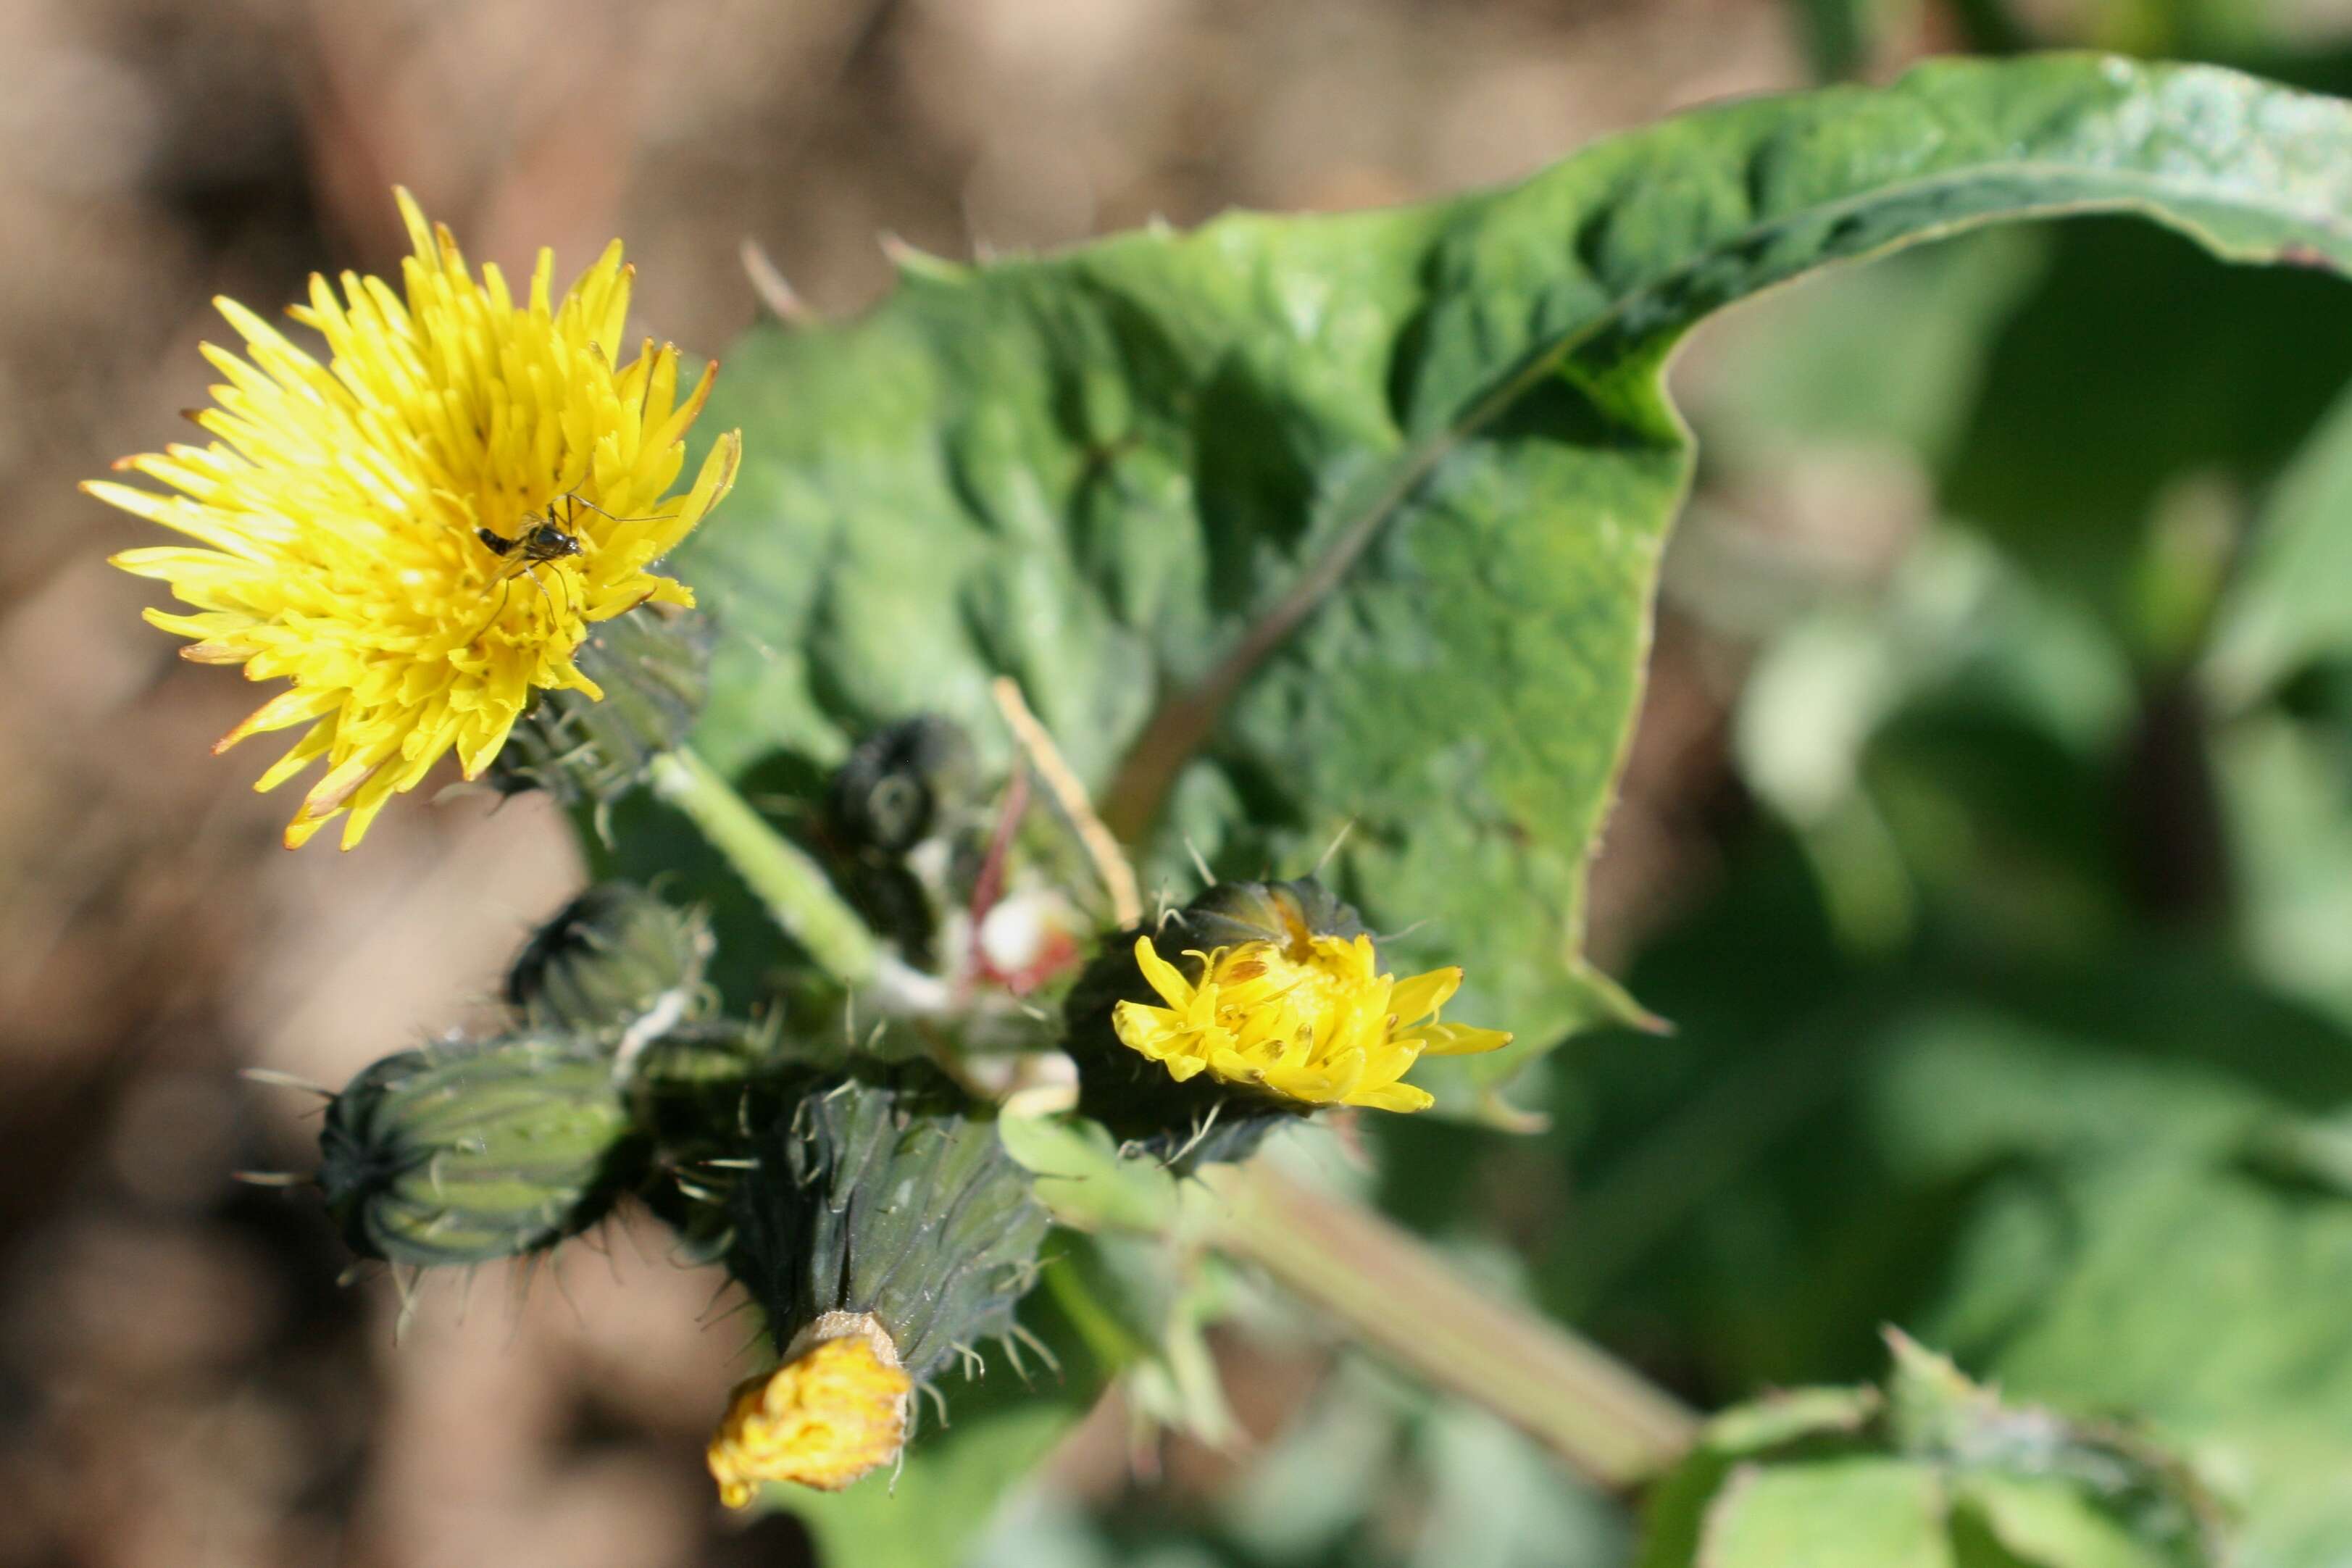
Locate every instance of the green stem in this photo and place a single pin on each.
(1603, 1419)
(788, 882)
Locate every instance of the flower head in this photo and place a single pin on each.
(1308, 1019)
(417, 533)
(826, 1416)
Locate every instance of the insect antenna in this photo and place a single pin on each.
(577, 499)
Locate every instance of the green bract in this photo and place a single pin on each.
(889, 1194)
(653, 666)
(614, 964)
(463, 1154)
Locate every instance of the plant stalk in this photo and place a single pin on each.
(795, 890)
(1597, 1415)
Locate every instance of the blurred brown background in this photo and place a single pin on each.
(182, 1381)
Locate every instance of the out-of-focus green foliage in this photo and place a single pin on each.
(2019, 1013)
(1841, 35)
(1928, 1471)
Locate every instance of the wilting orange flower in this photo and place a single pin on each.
(832, 1414)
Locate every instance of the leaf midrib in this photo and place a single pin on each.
(1185, 719)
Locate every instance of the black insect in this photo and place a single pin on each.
(547, 537)
(543, 540)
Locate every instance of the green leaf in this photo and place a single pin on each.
(1853, 1512)
(1887, 359)
(2109, 1188)
(1293, 523)
(2286, 608)
(2209, 1300)
(945, 1496)
(2092, 434)
(1677, 1508)
(1932, 1471)
(2038, 1523)
(2072, 1183)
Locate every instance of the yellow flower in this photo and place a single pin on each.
(1310, 1020)
(828, 1415)
(419, 531)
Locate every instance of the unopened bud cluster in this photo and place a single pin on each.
(860, 1194)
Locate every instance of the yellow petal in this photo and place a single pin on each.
(1394, 1097)
(1161, 976)
(1458, 1039)
(1418, 997)
(282, 711)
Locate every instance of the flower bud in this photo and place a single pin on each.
(886, 1201)
(652, 667)
(834, 1410)
(905, 782)
(901, 818)
(463, 1154)
(616, 965)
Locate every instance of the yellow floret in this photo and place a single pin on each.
(1311, 1020)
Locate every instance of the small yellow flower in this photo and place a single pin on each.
(365, 527)
(827, 1417)
(1310, 1020)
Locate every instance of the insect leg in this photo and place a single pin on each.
(532, 572)
(505, 582)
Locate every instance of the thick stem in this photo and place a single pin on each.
(1597, 1415)
(788, 882)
